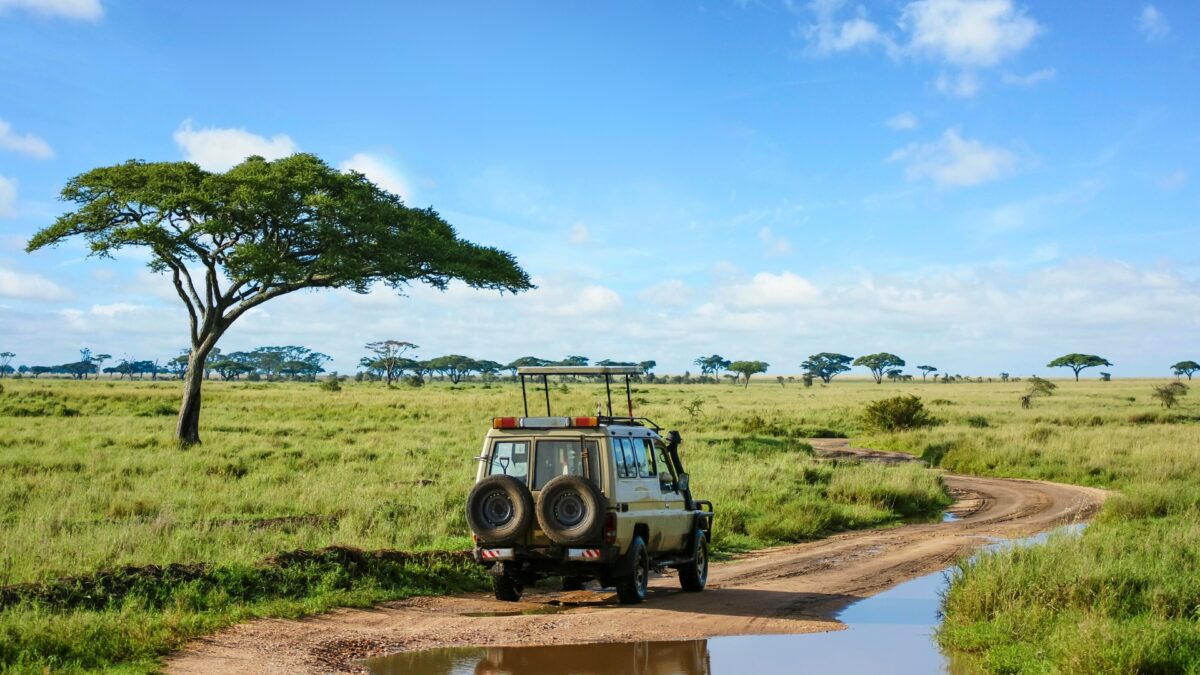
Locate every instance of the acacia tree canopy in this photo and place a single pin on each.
(747, 368)
(232, 241)
(1181, 368)
(879, 363)
(827, 365)
(1078, 362)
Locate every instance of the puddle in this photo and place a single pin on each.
(948, 517)
(891, 632)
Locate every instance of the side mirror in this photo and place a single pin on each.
(683, 482)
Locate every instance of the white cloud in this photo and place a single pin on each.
(1153, 24)
(965, 35)
(217, 149)
(954, 161)
(26, 144)
(964, 84)
(8, 197)
(828, 35)
(770, 290)
(580, 235)
(1036, 77)
(968, 33)
(902, 122)
(78, 10)
(381, 172)
(23, 286)
(774, 244)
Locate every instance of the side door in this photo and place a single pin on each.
(639, 487)
(677, 522)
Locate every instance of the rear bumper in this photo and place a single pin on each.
(548, 558)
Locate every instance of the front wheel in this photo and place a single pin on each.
(634, 579)
(505, 587)
(693, 575)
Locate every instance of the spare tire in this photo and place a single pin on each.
(499, 510)
(570, 510)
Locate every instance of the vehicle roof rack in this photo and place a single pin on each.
(607, 372)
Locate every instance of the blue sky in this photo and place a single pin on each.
(976, 184)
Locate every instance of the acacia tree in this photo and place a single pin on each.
(232, 241)
(925, 370)
(7, 357)
(1078, 362)
(387, 357)
(827, 365)
(1181, 368)
(879, 364)
(526, 362)
(711, 365)
(453, 366)
(747, 368)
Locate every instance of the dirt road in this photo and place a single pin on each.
(791, 589)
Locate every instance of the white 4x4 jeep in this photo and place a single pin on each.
(584, 498)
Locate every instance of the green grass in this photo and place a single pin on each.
(91, 484)
(1123, 597)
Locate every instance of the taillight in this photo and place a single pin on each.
(610, 528)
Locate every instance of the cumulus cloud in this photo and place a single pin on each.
(1030, 79)
(965, 36)
(76, 10)
(380, 171)
(579, 235)
(902, 122)
(218, 149)
(954, 161)
(765, 289)
(1152, 24)
(968, 33)
(829, 34)
(774, 244)
(24, 286)
(24, 144)
(8, 197)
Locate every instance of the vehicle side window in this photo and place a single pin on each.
(645, 457)
(563, 458)
(511, 458)
(623, 458)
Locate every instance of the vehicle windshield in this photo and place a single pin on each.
(510, 458)
(562, 457)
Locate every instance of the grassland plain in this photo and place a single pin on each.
(115, 546)
(1124, 597)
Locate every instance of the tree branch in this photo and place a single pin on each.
(192, 319)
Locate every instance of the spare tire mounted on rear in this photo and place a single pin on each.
(499, 510)
(570, 510)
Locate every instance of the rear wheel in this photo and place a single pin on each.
(505, 586)
(693, 575)
(499, 510)
(634, 579)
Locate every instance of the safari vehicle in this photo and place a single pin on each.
(595, 497)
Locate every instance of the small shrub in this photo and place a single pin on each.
(941, 401)
(1169, 394)
(1040, 434)
(414, 381)
(899, 413)
(977, 422)
(331, 383)
(1040, 387)
(694, 407)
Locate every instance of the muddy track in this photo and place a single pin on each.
(790, 589)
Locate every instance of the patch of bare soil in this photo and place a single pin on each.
(789, 589)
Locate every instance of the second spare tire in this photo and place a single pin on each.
(499, 510)
(570, 510)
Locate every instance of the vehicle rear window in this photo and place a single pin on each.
(511, 458)
(562, 457)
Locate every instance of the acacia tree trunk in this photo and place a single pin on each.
(187, 428)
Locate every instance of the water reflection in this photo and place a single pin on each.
(637, 658)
